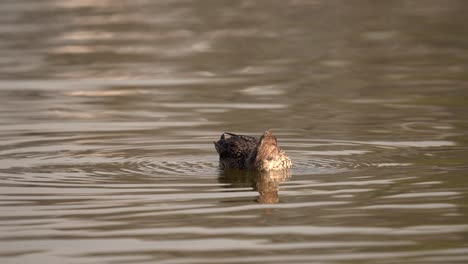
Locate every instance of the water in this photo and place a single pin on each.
(109, 110)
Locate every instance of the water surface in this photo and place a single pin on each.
(108, 111)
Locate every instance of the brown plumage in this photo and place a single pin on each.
(245, 152)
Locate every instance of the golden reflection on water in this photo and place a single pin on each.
(265, 183)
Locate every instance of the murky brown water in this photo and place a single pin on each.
(108, 111)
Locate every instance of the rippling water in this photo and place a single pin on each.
(109, 110)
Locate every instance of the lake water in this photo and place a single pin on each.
(109, 110)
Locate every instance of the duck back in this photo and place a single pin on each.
(235, 150)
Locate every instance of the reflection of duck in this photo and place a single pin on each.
(265, 183)
(245, 152)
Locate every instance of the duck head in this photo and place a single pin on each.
(267, 151)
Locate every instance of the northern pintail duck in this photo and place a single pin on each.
(246, 152)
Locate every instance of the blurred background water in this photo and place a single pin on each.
(108, 111)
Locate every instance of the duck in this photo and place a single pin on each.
(251, 153)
